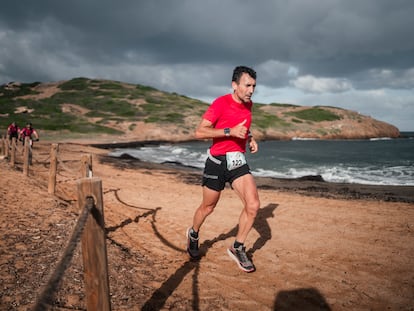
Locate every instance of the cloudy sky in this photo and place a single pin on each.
(355, 54)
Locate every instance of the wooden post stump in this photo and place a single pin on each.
(53, 168)
(13, 152)
(3, 146)
(94, 246)
(26, 156)
(7, 148)
(86, 166)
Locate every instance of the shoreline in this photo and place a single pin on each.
(306, 185)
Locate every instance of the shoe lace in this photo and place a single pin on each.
(241, 253)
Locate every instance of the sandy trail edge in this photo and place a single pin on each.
(315, 250)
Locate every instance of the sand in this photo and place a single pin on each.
(315, 245)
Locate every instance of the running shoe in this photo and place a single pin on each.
(240, 257)
(192, 245)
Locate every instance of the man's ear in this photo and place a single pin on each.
(234, 85)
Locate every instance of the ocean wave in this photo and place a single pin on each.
(305, 138)
(392, 176)
(380, 138)
(165, 154)
(339, 162)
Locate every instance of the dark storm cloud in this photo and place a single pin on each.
(328, 38)
(314, 46)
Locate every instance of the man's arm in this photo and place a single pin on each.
(35, 134)
(205, 130)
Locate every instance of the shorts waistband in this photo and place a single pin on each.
(216, 159)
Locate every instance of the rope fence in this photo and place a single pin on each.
(89, 229)
(25, 156)
(46, 296)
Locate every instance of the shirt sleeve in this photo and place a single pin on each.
(214, 112)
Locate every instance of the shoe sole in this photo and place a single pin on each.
(187, 234)
(232, 256)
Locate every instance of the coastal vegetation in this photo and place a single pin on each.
(86, 106)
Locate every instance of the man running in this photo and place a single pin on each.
(227, 122)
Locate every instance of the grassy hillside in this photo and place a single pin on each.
(84, 105)
(100, 105)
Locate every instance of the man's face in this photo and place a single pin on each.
(244, 90)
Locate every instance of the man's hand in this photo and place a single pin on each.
(239, 130)
(253, 146)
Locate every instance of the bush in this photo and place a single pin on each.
(315, 115)
(78, 84)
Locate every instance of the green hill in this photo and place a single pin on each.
(89, 106)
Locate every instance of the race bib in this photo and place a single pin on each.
(235, 159)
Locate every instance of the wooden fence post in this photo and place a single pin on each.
(94, 247)
(7, 148)
(53, 168)
(13, 152)
(86, 165)
(26, 156)
(3, 146)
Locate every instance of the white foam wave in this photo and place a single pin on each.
(338, 173)
(165, 153)
(304, 138)
(380, 138)
(370, 176)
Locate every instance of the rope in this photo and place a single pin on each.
(38, 170)
(41, 161)
(18, 149)
(66, 168)
(53, 283)
(115, 191)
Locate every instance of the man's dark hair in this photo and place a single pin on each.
(239, 70)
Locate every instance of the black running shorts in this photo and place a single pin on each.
(216, 175)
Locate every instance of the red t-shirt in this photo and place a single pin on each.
(12, 130)
(226, 112)
(26, 132)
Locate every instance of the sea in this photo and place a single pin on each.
(376, 161)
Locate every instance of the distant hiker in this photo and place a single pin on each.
(28, 131)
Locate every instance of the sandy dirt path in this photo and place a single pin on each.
(311, 252)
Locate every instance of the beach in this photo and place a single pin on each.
(315, 245)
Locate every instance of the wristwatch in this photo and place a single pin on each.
(227, 131)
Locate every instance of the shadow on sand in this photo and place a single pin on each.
(160, 296)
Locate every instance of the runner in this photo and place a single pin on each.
(227, 122)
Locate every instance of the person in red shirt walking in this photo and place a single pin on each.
(227, 122)
(28, 131)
